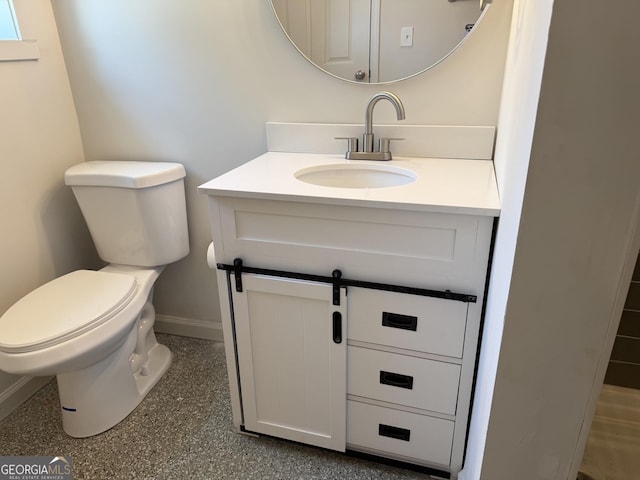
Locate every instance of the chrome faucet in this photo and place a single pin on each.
(368, 153)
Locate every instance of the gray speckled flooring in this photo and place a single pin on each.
(182, 430)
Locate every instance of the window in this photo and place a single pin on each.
(8, 24)
(12, 46)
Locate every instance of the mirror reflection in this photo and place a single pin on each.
(377, 41)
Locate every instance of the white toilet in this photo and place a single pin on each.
(94, 329)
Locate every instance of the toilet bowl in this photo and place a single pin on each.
(94, 329)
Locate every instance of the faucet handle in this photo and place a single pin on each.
(384, 144)
(352, 143)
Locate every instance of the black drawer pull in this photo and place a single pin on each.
(337, 327)
(394, 432)
(396, 320)
(396, 380)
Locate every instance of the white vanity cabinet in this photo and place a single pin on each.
(397, 382)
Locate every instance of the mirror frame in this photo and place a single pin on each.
(484, 7)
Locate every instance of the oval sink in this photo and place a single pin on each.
(347, 175)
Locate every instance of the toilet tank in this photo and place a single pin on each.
(135, 211)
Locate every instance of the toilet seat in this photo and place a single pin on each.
(64, 308)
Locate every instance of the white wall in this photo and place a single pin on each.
(560, 299)
(43, 235)
(518, 110)
(196, 81)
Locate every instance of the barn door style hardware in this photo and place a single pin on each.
(336, 279)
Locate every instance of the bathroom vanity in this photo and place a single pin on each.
(351, 314)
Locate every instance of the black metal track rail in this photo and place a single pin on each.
(238, 268)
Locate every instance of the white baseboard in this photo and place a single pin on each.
(188, 327)
(19, 392)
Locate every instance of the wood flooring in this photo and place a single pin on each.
(613, 447)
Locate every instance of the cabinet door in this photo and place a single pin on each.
(292, 352)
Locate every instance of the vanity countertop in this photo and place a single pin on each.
(442, 185)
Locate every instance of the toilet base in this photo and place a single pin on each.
(100, 396)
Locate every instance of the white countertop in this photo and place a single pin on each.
(442, 185)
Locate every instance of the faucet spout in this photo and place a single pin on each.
(368, 152)
(367, 138)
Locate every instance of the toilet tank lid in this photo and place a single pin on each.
(124, 174)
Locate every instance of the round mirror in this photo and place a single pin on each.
(377, 41)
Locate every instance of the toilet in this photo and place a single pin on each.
(94, 329)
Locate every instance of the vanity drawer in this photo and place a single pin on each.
(414, 322)
(401, 379)
(404, 434)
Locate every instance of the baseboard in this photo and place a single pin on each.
(188, 327)
(19, 392)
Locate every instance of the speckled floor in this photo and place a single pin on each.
(182, 430)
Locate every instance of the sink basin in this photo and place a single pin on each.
(348, 175)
